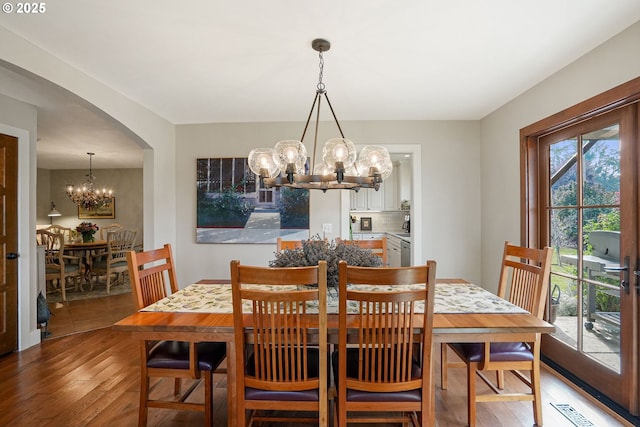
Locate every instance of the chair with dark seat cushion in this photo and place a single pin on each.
(385, 369)
(149, 273)
(281, 350)
(524, 276)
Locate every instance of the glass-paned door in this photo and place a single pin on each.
(588, 188)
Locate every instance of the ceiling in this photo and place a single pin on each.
(205, 61)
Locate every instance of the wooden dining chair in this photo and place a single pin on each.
(105, 229)
(524, 281)
(150, 273)
(114, 260)
(278, 365)
(282, 245)
(387, 371)
(59, 267)
(377, 246)
(59, 229)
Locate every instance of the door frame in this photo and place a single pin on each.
(28, 332)
(533, 225)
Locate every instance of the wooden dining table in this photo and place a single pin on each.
(483, 317)
(85, 249)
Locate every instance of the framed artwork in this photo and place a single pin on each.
(365, 223)
(232, 207)
(108, 210)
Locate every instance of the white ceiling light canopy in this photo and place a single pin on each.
(285, 165)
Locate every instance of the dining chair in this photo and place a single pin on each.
(377, 246)
(58, 266)
(150, 272)
(383, 364)
(282, 245)
(524, 281)
(59, 229)
(280, 347)
(114, 260)
(105, 229)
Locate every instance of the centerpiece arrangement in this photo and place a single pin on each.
(87, 230)
(317, 249)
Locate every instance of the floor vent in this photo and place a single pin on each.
(572, 415)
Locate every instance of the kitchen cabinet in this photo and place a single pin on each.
(386, 198)
(393, 251)
(368, 236)
(367, 199)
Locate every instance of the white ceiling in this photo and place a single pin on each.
(202, 61)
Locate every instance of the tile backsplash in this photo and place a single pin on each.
(380, 221)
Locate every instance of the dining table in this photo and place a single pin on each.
(84, 250)
(463, 312)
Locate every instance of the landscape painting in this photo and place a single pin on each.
(232, 206)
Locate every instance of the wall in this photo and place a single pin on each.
(450, 183)
(155, 135)
(607, 66)
(126, 184)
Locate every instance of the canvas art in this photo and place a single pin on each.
(107, 210)
(232, 207)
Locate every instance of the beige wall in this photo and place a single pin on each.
(450, 190)
(126, 184)
(607, 66)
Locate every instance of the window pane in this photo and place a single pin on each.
(562, 169)
(601, 167)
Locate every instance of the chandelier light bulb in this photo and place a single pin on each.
(290, 153)
(261, 162)
(339, 150)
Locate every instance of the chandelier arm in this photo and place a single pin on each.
(306, 125)
(334, 114)
(315, 136)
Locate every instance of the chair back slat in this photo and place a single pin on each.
(149, 282)
(120, 242)
(279, 324)
(386, 327)
(525, 277)
(280, 346)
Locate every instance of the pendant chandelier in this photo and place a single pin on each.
(85, 196)
(285, 165)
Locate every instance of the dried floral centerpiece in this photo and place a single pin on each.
(317, 249)
(87, 230)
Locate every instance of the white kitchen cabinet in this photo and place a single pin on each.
(393, 251)
(367, 199)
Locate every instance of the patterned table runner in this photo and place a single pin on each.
(449, 298)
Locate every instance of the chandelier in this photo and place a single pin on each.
(86, 196)
(286, 165)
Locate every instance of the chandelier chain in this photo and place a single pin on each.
(321, 85)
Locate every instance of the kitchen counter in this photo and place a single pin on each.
(401, 235)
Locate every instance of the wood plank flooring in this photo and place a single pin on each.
(92, 379)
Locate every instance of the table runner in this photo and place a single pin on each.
(449, 298)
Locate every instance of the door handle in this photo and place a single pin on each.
(624, 283)
(13, 255)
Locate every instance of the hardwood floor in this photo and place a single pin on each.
(70, 317)
(92, 379)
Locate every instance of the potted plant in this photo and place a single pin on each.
(316, 249)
